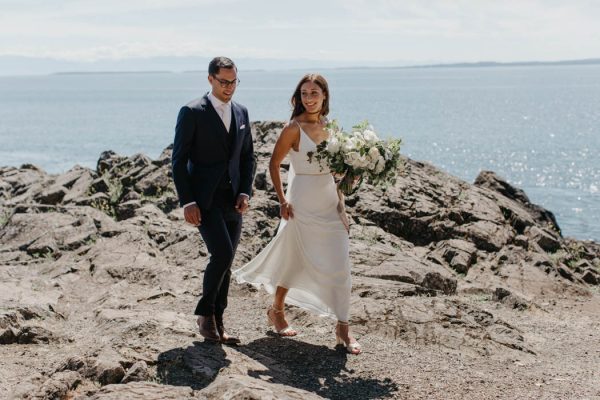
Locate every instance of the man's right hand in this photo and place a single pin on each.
(192, 215)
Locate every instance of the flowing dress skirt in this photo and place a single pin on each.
(309, 254)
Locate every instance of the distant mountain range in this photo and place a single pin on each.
(588, 61)
(19, 65)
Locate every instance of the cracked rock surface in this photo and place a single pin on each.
(460, 291)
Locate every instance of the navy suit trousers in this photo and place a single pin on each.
(220, 228)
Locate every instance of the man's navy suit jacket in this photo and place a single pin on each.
(202, 154)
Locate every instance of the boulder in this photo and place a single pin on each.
(137, 373)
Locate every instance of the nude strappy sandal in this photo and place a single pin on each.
(284, 332)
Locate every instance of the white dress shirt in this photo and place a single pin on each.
(223, 109)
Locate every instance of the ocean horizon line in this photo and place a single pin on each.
(476, 64)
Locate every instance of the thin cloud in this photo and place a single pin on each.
(386, 30)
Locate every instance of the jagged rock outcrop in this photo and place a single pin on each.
(99, 273)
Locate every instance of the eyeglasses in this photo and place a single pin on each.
(225, 83)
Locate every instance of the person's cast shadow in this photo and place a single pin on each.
(315, 368)
(195, 366)
(292, 362)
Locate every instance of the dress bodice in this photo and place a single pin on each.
(299, 159)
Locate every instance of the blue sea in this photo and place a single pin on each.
(539, 127)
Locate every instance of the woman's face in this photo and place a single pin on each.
(312, 97)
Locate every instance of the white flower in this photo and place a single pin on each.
(355, 160)
(388, 154)
(374, 153)
(333, 145)
(351, 157)
(358, 141)
(349, 145)
(369, 136)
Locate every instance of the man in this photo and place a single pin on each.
(213, 169)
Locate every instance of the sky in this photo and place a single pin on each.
(352, 32)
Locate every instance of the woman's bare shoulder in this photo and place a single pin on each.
(290, 130)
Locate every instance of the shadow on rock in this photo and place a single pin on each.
(314, 368)
(195, 366)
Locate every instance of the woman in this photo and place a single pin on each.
(307, 261)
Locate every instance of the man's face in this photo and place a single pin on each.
(224, 83)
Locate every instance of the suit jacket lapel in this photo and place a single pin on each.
(236, 121)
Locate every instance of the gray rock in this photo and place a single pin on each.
(137, 373)
(564, 271)
(35, 335)
(590, 276)
(486, 235)
(100, 201)
(165, 157)
(511, 300)
(260, 181)
(108, 160)
(42, 246)
(131, 195)
(521, 241)
(142, 391)
(507, 336)
(108, 371)
(52, 196)
(74, 363)
(500, 294)
(492, 181)
(77, 180)
(8, 335)
(245, 387)
(100, 185)
(127, 210)
(155, 183)
(58, 385)
(547, 240)
(459, 254)
(434, 280)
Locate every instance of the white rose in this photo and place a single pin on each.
(369, 136)
(348, 146)
(333, 145)
(351, 157)
(374, 153)
(363, 161)
(355, 160)
(358, 141)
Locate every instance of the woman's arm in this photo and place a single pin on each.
(288, 137)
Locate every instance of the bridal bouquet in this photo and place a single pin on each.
(358, 155)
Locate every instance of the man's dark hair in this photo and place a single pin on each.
(217, 63)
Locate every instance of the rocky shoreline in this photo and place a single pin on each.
(459, 291)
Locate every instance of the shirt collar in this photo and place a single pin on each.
(216, 102)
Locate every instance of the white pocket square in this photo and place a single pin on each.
(243, 126)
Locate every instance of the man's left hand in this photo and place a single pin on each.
(241, 204)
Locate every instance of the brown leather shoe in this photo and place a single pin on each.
(225, 337)
(208, 328)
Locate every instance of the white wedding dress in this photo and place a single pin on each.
(309, 254)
